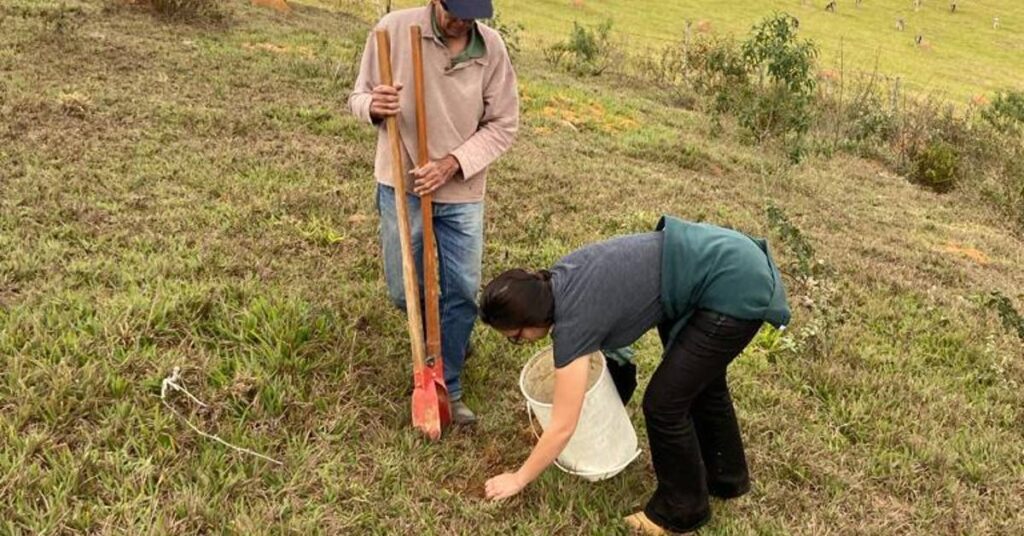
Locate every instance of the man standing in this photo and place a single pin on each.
(472, 110)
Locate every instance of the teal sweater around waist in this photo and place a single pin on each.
(709, 267)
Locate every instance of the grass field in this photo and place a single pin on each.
(962, 55)
(175, 195)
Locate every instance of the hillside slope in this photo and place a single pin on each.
(175, 195)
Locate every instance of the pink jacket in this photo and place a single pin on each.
(472, 109)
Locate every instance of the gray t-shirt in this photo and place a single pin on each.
(607, 295)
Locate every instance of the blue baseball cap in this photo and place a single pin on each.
(469, 9)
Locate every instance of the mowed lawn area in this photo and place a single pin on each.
(197, 196)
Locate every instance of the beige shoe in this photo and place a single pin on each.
(641, 524)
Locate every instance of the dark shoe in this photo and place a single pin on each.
(461, 414)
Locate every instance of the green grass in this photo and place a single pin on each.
(176, 195)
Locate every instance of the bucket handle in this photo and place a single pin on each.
(533, 428)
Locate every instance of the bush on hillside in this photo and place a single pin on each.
(719, 70)
(666, 69)
(767, 81)
(1006, 112)
(937, 166)
(769, 84)
(709, 65)
(587, 51)
(860, 119)
(782, 65)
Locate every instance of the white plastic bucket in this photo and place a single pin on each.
(604, 442)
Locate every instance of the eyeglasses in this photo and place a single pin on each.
(517, 338)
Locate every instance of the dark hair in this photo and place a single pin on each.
(518, 299)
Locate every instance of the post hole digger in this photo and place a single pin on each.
(431, 410)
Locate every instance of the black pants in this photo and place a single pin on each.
(691, 424)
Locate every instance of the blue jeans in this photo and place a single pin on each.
(459, 230)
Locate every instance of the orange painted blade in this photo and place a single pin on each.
(426, 404)
(444, 406)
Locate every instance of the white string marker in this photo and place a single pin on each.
(174, 382)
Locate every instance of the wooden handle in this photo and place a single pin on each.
(409, 279)
(416, 35)
(431, 295)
